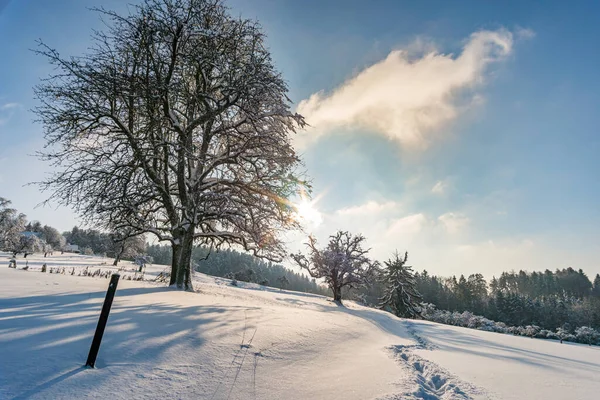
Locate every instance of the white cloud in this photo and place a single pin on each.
(524, 33)
(505, 254)
(370, 207)
(407, 99)
(410, 224)
(440, 187)
(8, 106)
(6, 111)
(453, 223)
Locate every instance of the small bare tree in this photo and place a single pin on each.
(343, 263)
(176, 123)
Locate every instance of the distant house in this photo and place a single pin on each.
(73, 248)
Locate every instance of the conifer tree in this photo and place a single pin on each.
(596, 288)
(400, 293)
(283, 281)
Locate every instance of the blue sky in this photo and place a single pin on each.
(463, 132)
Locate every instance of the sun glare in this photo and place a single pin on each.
(307, 213)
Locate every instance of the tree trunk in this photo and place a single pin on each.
(184, 273)
(176, 250)
(118, 257)
(337, 294)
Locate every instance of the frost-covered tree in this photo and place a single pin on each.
(400, 292)
(175, 123)
(53, 237)
(127, 246)
(12, 224)
(343, 263)
(26, 244)
(47, 248)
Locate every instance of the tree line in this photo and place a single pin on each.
(546, 299)
(113, 244)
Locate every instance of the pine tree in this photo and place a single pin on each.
(400, 293)
(283, 282)
(596, 288)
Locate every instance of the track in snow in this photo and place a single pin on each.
(432, 381)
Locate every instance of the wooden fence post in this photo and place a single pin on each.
(110, 294)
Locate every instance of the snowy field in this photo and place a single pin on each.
(251, 342)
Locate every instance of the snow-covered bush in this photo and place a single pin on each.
(500, 327)
(585, 334)
(561, 333)
(487, 325)
(530, 330)
(467, 319)
(428, 310)
(513, 330)
(544, 334)
(570, 338)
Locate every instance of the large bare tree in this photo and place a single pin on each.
(175, 123)
(343, 263)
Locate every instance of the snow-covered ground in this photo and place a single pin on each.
(252, 342)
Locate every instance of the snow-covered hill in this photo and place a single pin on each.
(252, 342)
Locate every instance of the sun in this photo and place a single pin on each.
(307, 213)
